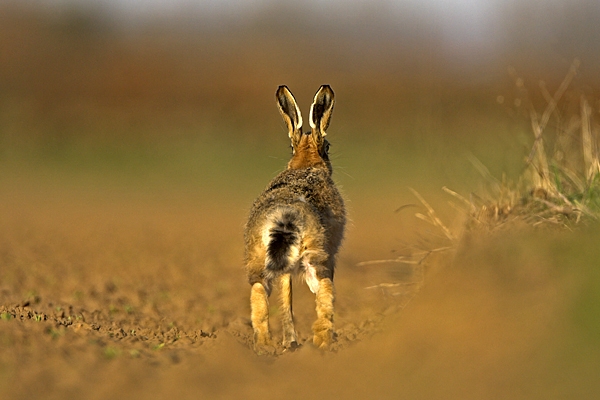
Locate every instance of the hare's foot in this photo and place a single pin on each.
(259, 305)
(290, 340)
(323, 326)
(323, 334)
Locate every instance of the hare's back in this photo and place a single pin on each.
(311, 185)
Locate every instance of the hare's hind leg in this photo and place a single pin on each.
(259, 304)
(323, 326)
(287, 318)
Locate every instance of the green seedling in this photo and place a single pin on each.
(111, 352)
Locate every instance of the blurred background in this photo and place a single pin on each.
(183, 91)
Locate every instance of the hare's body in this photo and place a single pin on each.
(296, 226)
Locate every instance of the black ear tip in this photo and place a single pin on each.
(282, 94)
(326, 88)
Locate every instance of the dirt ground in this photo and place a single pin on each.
(123, 296)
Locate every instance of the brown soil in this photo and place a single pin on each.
(133, 298)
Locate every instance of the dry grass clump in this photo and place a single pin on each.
(561, 182)
(560, 185)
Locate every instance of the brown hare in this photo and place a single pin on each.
(296, 226)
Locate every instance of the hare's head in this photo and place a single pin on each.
(310, 149)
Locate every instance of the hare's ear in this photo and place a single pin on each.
(290, 112)
(321, 109)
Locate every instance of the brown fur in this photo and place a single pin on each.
(296, 226)
(306, 155)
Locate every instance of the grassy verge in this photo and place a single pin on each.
(560, 184)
